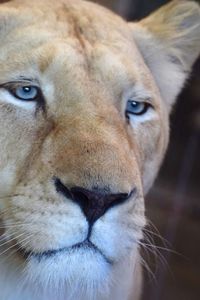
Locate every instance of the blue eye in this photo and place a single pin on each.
(26, 93)
(136, 108)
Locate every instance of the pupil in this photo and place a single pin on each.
(134, 104)
(26, 89)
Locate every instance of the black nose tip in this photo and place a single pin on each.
(94, 204)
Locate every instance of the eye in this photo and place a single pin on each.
(25, 93)
(136, 108)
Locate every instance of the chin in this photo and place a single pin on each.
(79, 273)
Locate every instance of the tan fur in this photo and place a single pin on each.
(169, 40)
(88, 62)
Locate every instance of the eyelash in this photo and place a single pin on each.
(11, 87)
(13, 91)
(133, 107)
(136, 108)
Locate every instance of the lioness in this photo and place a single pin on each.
(85, 99)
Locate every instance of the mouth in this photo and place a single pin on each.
(85, 245)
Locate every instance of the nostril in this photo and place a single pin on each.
(61, 188)
(94, 203)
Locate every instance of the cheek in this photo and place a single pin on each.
(153, 160)
(152, 139)
(7, 181)
(16, 139)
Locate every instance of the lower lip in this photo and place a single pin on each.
(85, 245)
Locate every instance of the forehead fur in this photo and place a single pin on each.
(68, 18)
(69, 36)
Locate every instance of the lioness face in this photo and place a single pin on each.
(83, 131)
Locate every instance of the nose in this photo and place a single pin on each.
(94, 204)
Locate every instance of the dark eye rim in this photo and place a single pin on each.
(129, 112)
(12, 89)
(12, 86)
(39, 99)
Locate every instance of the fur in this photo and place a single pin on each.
(88, 63)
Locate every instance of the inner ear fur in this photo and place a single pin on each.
(169, 40)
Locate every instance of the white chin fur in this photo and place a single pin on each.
(80, 274)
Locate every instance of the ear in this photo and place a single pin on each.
(169, 41)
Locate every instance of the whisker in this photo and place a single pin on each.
(12, 246)
(8, 210)
(14, 252)
(149, 246)
(157, 255)
(165, 242)
(10, 196)
(14, 238)
(148, 269)
(157, 232)
(13, 225)
(162, 248)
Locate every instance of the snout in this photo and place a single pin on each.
(93, 203)
(83, 192)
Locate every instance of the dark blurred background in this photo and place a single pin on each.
(173, 205)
